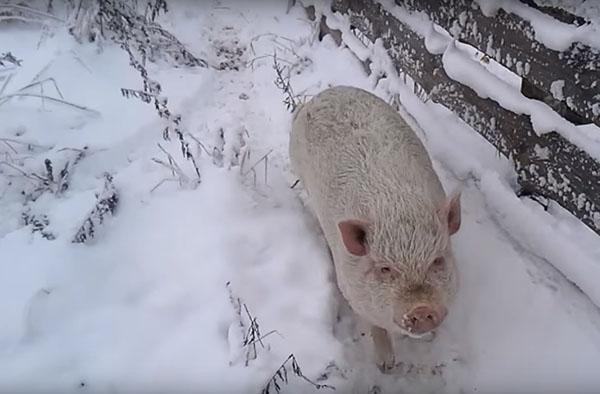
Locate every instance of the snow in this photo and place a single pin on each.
(556, 88)
(552, 33)
(146, 305)
(435, 41)
(588, 9)
(487, 85)
(494, 81)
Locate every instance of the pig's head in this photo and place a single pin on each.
(405, 264)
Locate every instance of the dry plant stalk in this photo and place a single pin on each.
(281, 377)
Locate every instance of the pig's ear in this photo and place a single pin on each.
(354, 236)
(450, 213)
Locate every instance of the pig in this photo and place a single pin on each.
(383, 211)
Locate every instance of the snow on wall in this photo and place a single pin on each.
(550, 32)
(462, 69)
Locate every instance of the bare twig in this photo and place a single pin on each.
(174, 168)
(144, 96)
(133, 31)
(252, 336)
(281, 377)
(264, 158)
(252, 61)
(159, 184)
(43, 70)
(20, 171)
(9, 10)
(267, 334)
(19, 18)
(8, 57)
(41, 84)
(245, 156)
(275, 36)
(171, 159)
(250, 331)
(236, 303)
(283, 83)
(64, 176)
(38, 224)
(80, 61)
(106, 205)
(9, 145)
(176, 171)
(5, 98)
(5, 84)
(151, 93)
(29, 145)
(199, 143)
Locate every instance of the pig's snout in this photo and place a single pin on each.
(422, 319)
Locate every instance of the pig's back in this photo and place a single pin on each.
(354, 153)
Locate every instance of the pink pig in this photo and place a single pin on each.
(382, 209)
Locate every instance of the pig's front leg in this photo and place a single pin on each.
(384, 349)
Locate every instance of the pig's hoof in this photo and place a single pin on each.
(388, 365)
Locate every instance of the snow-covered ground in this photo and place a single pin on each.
(156, 301)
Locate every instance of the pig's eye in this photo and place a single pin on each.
(438, 263)
(385, 270)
